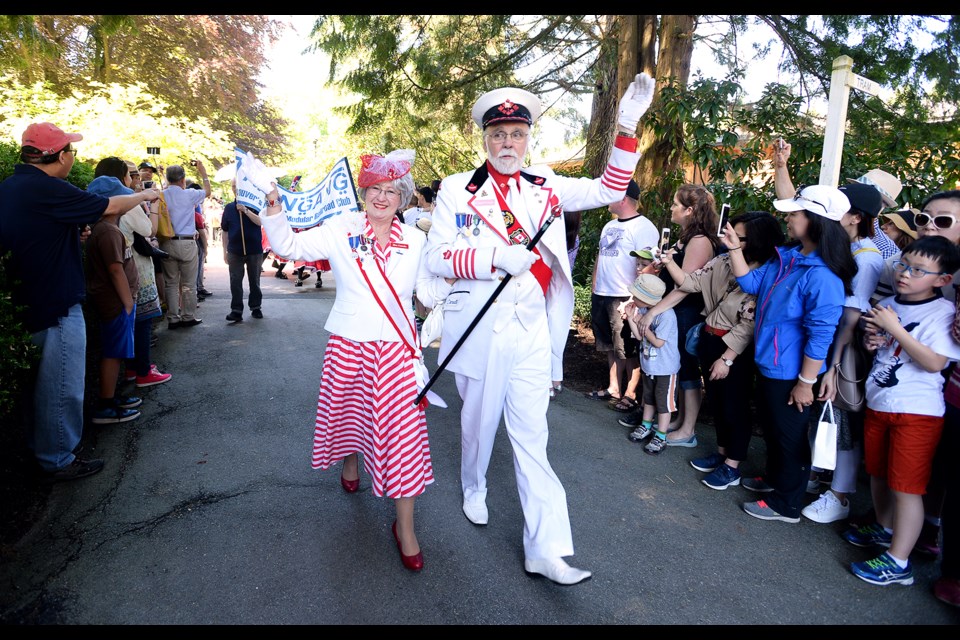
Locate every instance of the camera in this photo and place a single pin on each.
(193, 163)
(148, 184)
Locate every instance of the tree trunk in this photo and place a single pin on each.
(97, 53)
(662, 155)
(107, 76)
(628, 38)
(603, 113)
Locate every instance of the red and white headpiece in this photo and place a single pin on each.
(393, 166)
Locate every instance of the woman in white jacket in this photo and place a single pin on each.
(372, 365)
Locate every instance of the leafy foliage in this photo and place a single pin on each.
(582, 301)
(101, 112)
(17, 353)
(201, 67)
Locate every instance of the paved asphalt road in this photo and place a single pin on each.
(208, 513)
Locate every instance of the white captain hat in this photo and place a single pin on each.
(508, 104)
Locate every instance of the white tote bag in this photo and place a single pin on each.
(824, 452)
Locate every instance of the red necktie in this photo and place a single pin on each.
(516, 234)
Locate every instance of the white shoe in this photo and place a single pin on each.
(813, 486)
(826, 508)
(476, 512)
(557, 570)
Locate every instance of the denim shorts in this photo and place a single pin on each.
(116, 335)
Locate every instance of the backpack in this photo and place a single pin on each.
(164, 224)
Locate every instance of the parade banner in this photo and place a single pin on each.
(334, 195)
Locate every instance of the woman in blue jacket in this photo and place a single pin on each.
(800, 295)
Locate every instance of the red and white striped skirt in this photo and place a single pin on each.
(366, 405)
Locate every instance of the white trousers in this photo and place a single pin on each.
(516, 386)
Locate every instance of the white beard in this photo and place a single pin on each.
(507, 165)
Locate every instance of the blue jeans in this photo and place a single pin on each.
(58, 391)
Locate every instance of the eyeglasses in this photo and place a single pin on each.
(134, 174)
(913, 272)
(942, 221)
(375, 191)
(71, 150)
(501, 136)
(742, 238)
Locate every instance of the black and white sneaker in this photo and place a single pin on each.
(640, 434)
(655, 446)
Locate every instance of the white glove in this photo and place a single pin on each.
(514, 259)
(635, 101)
(257, 174)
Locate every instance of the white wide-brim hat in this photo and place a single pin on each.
(888, 185)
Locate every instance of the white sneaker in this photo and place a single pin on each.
(557, 570)
(813, 486)
(826, 508)
(476, 512)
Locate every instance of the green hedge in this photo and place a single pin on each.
(17, 352)
(581, 302)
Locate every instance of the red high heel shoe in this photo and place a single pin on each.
(350, 486)
(414, 562)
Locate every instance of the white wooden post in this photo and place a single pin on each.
(841, 81)
(836, 121)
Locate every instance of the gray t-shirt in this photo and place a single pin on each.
(663, 360)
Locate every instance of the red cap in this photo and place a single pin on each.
(47, 137)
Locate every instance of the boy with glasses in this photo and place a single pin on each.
(910, 333)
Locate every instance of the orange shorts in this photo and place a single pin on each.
(900, 448)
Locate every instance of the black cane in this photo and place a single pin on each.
(503, 283)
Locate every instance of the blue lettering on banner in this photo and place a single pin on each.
(334, 195)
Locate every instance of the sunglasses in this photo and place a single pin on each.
(797, 196)
(942, 221)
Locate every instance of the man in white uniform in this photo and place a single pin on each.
(481, 223)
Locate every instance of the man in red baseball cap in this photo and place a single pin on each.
(47, 138)
(42, 217)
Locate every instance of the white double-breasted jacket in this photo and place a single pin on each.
(356, 314)
(462, 246)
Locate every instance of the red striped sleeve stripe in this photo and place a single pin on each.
(615, 178)
(463, 263)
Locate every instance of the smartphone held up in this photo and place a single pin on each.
(724, 217)
(664, 238)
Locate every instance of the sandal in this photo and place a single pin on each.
(625, 404)
(602, 394)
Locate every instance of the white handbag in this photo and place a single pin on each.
(824, 451)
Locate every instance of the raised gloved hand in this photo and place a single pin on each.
(258, 174)
(514, 259)
(635, 101)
